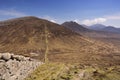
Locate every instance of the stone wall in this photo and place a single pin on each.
(16, 67)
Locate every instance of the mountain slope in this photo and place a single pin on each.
(25, 33)
(26, 36)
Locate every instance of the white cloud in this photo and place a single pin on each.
(93, 21)
(100, 20)
(11, 12)
(53, 21)
(77, 21)
(50, 19)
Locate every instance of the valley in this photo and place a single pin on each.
(73, 50)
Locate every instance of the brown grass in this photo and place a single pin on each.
(26, 35)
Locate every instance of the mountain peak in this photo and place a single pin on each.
(70, 22)
(75, 26)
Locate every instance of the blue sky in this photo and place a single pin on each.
(82, 11)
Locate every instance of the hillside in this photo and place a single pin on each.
(108, 35)
(29, 32)
(26, 36)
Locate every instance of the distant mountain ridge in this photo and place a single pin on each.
(111, 29)
(97, 26)
(101, 27)
(89, 31)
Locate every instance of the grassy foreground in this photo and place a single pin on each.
(48, 71)
(59, 71)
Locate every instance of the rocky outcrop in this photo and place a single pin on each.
(16, 67)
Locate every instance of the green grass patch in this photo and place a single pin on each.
(48, 71)
(59, 71)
